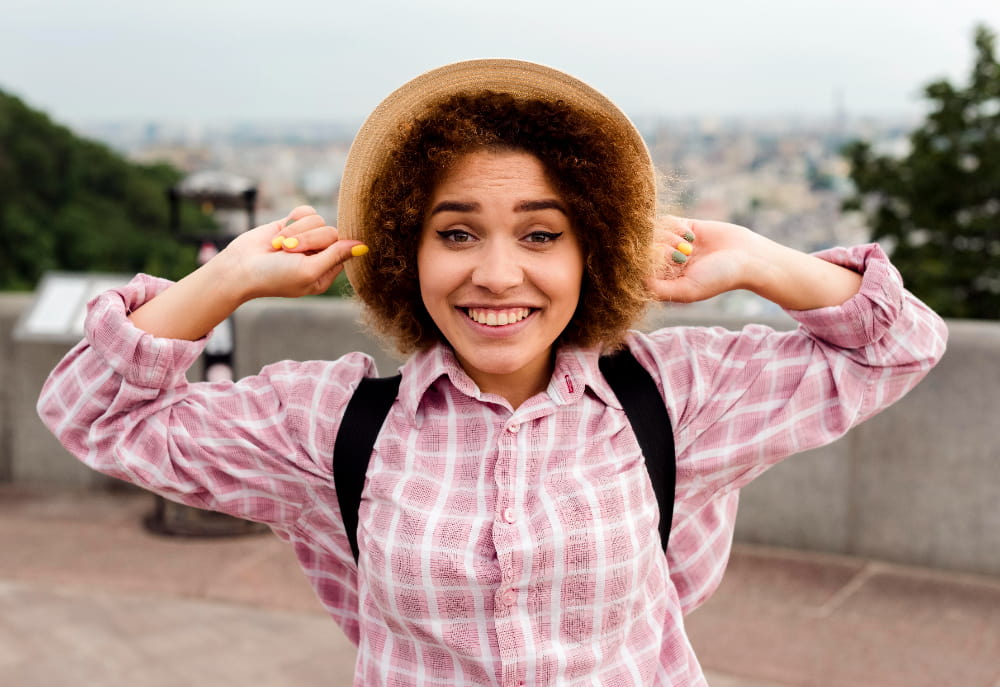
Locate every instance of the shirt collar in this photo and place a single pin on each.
(576, 369)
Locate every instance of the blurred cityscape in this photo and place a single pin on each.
(782, 176)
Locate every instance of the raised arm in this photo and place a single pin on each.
(726, 257)
(251, 266)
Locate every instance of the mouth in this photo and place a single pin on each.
(497, 317)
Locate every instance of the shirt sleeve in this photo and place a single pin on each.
(742, 401)
(256, 449)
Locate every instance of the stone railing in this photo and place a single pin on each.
(917, 484)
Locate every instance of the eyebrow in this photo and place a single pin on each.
(523, 206)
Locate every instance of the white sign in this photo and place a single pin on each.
(60, 305)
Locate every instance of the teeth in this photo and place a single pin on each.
(497, 318)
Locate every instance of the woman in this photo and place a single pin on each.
(507, 529)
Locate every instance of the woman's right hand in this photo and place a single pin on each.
(249, 267)
(296, 256)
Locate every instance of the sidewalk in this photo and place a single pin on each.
(88, 597)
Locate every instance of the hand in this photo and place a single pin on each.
(249, 267)
(295, 256)
(725, 257)
(719, 260)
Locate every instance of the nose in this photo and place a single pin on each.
(498, 268)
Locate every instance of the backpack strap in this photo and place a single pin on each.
(363, 418)
(647, 413)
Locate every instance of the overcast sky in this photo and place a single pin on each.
(222, 60)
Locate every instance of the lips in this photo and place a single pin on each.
(497, 317)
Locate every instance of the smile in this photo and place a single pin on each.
(494, 317)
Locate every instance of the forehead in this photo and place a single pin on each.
(497, 172)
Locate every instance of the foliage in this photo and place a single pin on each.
(938, 207)
(71, 204)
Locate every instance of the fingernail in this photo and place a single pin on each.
(689, 236)
(290, 243)
(276, 242)
(679, 257)
(685, 247)
(359, 250)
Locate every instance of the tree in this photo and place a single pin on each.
(938, 207)
(67, 203)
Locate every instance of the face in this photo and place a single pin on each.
(500, 269)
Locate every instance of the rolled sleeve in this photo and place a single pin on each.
(869, 314)
(140, 358)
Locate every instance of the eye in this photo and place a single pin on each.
(542, 236)
(455, 236)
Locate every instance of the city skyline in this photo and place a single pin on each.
(303, 60)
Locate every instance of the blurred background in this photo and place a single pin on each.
(141, 136)
(773, 114)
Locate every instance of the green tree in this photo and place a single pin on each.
(67, 203)
(938, 207)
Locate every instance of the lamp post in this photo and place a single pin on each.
(228, 197)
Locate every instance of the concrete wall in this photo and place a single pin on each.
(918, 484)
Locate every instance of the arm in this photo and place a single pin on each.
(727, 257)
(249, 267)
(120, 402)
(742, 401)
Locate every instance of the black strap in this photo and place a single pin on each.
(634, 387)
(363, 418)
(647, 413)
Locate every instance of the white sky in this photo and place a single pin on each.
(219, 60)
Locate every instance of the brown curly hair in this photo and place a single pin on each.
(611, 207)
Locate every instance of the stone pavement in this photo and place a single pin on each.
(88, 597)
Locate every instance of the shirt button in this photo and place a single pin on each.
(509, 597)
(508, 516)
(513, 429)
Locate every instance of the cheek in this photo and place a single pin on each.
(436, 274)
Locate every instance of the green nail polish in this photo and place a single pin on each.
(689, 236)
(679, 257)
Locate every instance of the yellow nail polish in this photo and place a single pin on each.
(359, 250)
(685, 247)
(276, 242)
(290, 243)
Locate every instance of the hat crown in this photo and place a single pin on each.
(371, 149)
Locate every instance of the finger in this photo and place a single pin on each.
(682, 250)
(323, 267)
(309, 240)
(683, 227)
(673, 290)
(303, 222)
(672, 254)
(299, 213)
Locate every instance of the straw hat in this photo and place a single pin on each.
(371, 147)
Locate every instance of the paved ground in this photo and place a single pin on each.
(88, 597)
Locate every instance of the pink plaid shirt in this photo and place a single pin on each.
(498, 547)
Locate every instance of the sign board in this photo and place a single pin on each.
(60, 305)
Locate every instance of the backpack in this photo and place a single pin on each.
(634, 387)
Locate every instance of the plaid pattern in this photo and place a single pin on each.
(497, 547)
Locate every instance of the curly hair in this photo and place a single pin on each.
(611, 207)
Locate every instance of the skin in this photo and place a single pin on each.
(502, 265)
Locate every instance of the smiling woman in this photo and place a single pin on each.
(595, 163)
(500, 270)
(507, 529)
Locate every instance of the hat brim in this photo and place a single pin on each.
(371, 147)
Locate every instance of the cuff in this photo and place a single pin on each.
(141, 358)
(868, 315)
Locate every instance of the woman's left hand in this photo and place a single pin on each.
(716, 258)
(696, 259)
